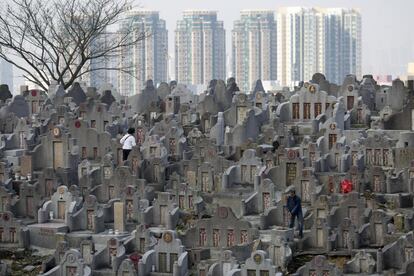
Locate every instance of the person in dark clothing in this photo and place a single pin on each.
(295, 209)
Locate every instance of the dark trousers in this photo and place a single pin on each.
(125, 153)
(300, 222)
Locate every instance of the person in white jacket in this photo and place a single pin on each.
(128, 142)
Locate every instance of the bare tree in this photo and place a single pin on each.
(61, 40)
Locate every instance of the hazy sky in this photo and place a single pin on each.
(387, 25)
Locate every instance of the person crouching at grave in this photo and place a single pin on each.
(128, 142)
(295, 210)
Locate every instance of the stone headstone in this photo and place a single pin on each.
(119, 216)
(26, 165)
(362, 262)
(163, 90)
(4, 268)
(107, 98)
(318, 78)
(92, 92)
(222, 97)
(399, 222)
(60, 92)
(173, 84)
(231, 86)
(258, 87)
(77, 94)
(19, 106)
(23, 88)
(5, 92)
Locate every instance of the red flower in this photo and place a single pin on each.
(346, 186)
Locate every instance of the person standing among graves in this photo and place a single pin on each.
(295, 209)
(128, 142)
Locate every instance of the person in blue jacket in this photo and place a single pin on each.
(295, 209)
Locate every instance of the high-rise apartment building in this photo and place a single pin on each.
(352, 42)
(300, 50)
(311, 40)
(200, 51)
(99, 76)
(343, 43)
(6, 74)
(146, 59)
(254, 48)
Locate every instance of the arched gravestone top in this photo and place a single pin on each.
(163, 90)
(212, 86)
(77, 94)
(5, 92)
(173, 84)
(350, 79)
(318, 77)
(149, 86)
(92, 92)
(231, 85)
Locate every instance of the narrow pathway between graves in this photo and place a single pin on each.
(23, 262)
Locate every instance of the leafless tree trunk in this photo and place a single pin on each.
(59, 40)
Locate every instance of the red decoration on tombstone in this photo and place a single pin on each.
(34, 93)
(346, 186)
(135, 259)
(77, 124)
(291, 154)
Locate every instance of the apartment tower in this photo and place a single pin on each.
(200, 51)
(146, 59)
(254, 48)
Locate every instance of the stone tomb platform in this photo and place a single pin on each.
(45, 234)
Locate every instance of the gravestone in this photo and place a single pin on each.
(19, 107)
(362, 263)
(119, 216)
(26, 165)
(258, 264)
(107, 98)
(76, 93)
(5, 92)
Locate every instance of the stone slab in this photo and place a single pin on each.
(45, 234)
(119, 216)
